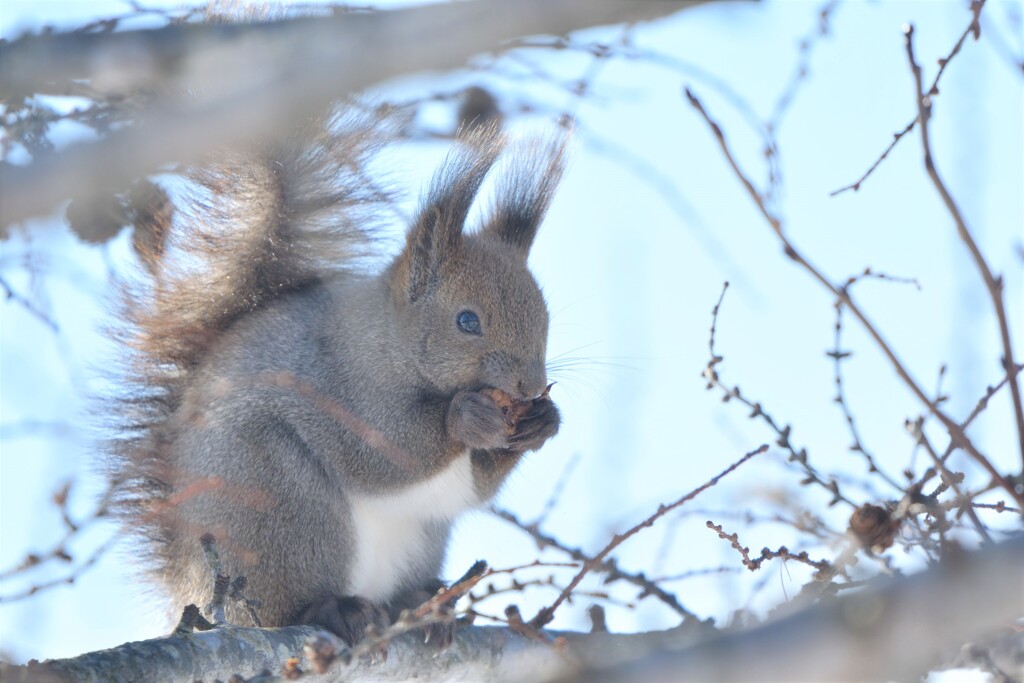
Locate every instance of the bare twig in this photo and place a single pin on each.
(29, 307)
(973, 28)
(803, 521)
(956, 432)
(993, 284)
(896, 137)
(997, 507)
(546, 614)
(693, 573)
(515, 586)
(838, 355)
(61, 552)
(783, 553)
(783, 434)
(979, 407)
(556, 492)
(803, 65)
(607, 566)
(437, 609)
(67, 580)
(861, 636)
(990, 392)
(949, 478)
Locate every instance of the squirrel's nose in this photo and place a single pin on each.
(533, 380)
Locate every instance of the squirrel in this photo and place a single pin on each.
(324, 421)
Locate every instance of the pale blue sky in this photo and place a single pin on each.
(630, 283)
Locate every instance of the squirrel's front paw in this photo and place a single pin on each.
(536, 426)
(347, 617)
(476, 421)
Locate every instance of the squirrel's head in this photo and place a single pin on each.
(471, 312)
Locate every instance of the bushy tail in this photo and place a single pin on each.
(254, 226)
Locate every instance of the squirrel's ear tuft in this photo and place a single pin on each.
(436, 235)
(525, 192)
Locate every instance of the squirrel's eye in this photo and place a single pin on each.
(468, 321)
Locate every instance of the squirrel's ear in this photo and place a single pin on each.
(436, 235)
(525, 191)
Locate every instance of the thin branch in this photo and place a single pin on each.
(607, 566)
(978, 409)
(989, 393)
(66, 580)
(753, 564)
(546, 614)
(60, 552)
(950, 479)
(803, 65)
(997, 507)
(896, 137)
(438, 609)
(730, 393)
(31, 308)
(838, 355)
(993, 284)
(694, 573)
(956, 432)
(556, 493)
(974, 29)
(889, 630)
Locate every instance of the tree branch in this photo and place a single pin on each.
(608, 566)
(895, 630)
(545, 615)
(956, 432)
(250, 81)
(891, 630)
(973, 29)
(993, 284)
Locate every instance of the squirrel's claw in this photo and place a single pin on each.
(538, 425)
(440, 634)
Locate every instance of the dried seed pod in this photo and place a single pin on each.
(873, 526)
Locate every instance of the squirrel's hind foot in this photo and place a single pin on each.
(347, 617)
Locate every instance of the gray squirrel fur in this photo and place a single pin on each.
(325, 423)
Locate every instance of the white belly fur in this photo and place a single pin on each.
(389, 529)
